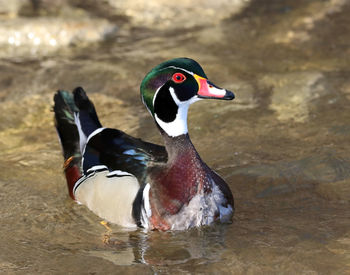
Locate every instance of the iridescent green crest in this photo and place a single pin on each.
(162, 73)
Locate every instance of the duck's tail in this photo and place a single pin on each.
(75, 120)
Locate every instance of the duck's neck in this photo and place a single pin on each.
(179, 147)
(183, 176)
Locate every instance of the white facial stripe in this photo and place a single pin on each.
(178, 68)
(178, 102)
(178, 126)
(155, 94)
(173, 95)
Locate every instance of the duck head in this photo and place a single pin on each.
(168, 90)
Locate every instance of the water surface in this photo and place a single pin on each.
(282, 145)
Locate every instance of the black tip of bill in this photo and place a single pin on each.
(229, 95)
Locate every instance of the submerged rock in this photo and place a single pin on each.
(21, 37)
(337, 191)
(293, 92)
(11, 8)
(163, 14)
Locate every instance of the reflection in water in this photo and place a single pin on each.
(283, 144)
(162, 248)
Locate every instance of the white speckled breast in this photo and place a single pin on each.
(203, 209)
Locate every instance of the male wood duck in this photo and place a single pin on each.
(131, 182)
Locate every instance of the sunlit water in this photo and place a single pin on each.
(282, 145)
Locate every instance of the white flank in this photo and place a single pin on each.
(111, 198)
(146, 211)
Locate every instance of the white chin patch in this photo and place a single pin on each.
(179, 125)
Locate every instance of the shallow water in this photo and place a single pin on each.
(282, 144)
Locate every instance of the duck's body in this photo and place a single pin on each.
(131, 182)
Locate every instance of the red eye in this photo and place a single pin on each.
(179, 78)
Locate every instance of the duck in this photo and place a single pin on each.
(134, 183)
